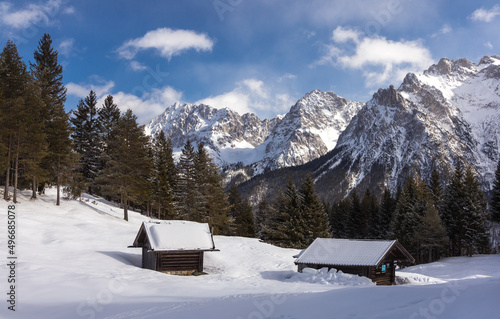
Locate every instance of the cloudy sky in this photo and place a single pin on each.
(249, 55)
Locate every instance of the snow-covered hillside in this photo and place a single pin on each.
(73, 262)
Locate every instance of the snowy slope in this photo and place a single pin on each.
(73, 262)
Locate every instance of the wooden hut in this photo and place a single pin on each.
(375, 259)
(174, 247)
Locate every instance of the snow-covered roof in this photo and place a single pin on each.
(175, 235)
(348, 252)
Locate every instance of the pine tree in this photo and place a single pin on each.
(476, 235)
(313, 212)
(339, 218)
(369, 209)
(185, 191)
(241, 212)
(48, 74)
(414, 204)
(165, 176)
(108, 116)
(126, 174)
(34, 145)
(212, 205)
(435, 187)
(294, 227)
(451, 210)
(88, 142)
(431, 237)
(263, 216)
(274, 227)
(385, 215)
(200, 189)
(14, 79)
(356, 223)
(495, 197)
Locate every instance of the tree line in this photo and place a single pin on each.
(35, 137)
(431, 219)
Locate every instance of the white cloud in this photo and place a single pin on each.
(149, 105)
(235, 100)
(485, 15)
(167, 41)
(256, 86)
(287, 76)
(30, 14)
(67, 46)
(444, 30)
(488, 45)
(380, 59)
(342, 35)
(251, 96)
(82, 90)
(137, 66)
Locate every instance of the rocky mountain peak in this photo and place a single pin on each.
(447, 67)
(389, 97)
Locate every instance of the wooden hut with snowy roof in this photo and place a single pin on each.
(375, 259)
(174, 247)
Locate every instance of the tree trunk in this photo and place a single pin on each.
(7, 173)
(125, 210)
(16, 170)
(33, 192)
(58, 181)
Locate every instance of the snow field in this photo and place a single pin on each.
(73, 262)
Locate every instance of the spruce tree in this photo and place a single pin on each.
(294, 227)
(495, 197)
(385, 215)
(274, 228)
(185, 191)
(476, 237)
(356, 222)
(263, 215)
(108, 116)
(451, 210)
(126, 174)
(34, 142)
(339, 218)
(241, 212)
(165, 176)
(435, 187)
(369, 208)
(48, 74)
(313, 212)
(200, 189)
(14, 79)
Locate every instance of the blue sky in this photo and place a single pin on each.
(250, 55)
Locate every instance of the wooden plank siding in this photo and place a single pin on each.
(171, 261)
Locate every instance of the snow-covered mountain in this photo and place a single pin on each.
(310, 129)
(449, 112)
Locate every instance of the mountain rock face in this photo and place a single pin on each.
(450, 112)
(309, 130)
